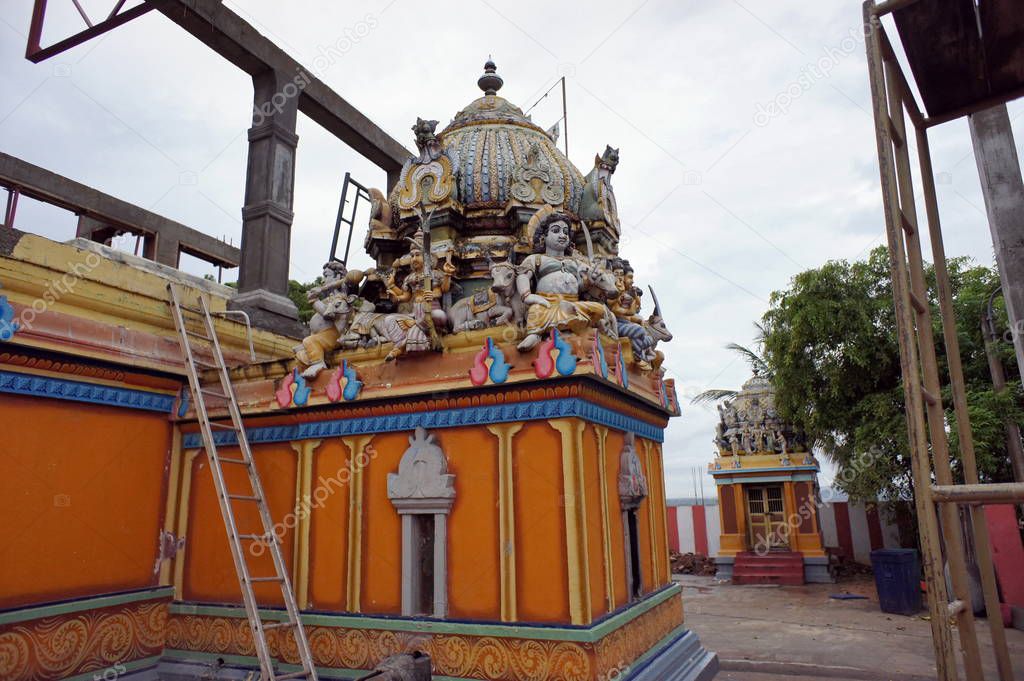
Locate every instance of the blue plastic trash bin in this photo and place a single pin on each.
(897, 579)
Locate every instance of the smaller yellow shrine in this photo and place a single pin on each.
(768, 497)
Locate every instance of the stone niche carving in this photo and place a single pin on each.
(423, 491)
(548, 188)
(422, 479)
(632, 482)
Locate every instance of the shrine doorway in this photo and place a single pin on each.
(766, 518)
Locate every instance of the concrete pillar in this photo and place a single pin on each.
(267, 213)
(999, 169)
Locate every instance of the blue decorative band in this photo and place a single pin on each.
(77, 391)
(446, 418)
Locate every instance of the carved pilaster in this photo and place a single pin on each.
(506, 519)
(601, 436)
(354, 563)
(303, 510)
(182, 527)
(575, 501)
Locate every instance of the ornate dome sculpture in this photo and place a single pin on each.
(482, 178)
(749, 423)
(503, 158)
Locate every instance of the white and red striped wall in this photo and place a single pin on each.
(851, 527)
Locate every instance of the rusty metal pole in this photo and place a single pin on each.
(995, 366)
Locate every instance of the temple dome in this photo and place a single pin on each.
(490, 138)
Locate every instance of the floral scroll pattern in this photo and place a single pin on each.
(475, 657)
(627, 643)
(65, 645)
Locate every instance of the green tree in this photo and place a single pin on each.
(298, 291)
(831, 350)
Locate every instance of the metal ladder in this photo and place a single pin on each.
(362, 194)
(254, 495)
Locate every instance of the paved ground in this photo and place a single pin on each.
(765, 633)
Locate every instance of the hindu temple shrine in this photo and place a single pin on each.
(461, 458)
(768, 496)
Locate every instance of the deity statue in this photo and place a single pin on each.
(324, 325)
(734, 444)
(626, 308)
(550, 282)
(424, 289)
(598, 203)
(781, 439)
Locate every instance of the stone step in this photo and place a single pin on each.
(768, 567)
(780, 579)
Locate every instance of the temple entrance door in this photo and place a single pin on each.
(766, 518)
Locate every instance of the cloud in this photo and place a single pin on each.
(719, 211)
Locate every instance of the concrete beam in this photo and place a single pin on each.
(999, 170)
(230, 36)
(102, 214)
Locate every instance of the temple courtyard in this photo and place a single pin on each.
(763, 633)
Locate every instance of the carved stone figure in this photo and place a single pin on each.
(369, 328)
(422, 472)
(381, 217)
(658, 331)
(424, 290)
(598, 203)
(534, 182)
(550, 282)
(493, 306)
(780, 437)
(311, 353)
(330, 317)
(632, 482)
(745, 439)
(625, 305)
(429, 177)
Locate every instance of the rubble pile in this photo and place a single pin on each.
(692, 564)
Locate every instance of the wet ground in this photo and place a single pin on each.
(763, 633)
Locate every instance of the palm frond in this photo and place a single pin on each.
(755, 360)
(712, 396)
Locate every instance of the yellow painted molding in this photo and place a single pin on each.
(659, 458)
(171, 506)
(574, 493)
(303, 510)
(85, 284)
(739, 500)
(506, 519)
(601, 437)
(183, 513)
(790, 506)
(354, 573)
(652, 505)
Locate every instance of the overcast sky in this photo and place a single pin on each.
(746, 141)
